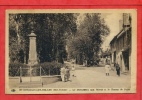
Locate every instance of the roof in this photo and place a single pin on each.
(115, 37)
(122, 32)
(119, 34)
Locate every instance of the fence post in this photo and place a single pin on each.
(30, 74)
(41, 77)
(49, 71)
(40, 73)
(20, 74)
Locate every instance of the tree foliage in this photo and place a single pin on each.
(51, 31)
(89, 37)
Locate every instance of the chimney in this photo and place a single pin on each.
(120, 25)
(126, 20)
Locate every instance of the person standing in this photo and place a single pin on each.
(107, 68)
(106, 60)
(73, 71)
(62, 72)
(67, 74)
(118, 69)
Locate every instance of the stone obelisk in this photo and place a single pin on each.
(32, 50)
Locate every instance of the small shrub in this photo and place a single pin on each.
(14, 69)
(48, 68)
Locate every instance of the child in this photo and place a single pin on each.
(107, 68)
(73, 71)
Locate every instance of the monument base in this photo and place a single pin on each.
(32, 62)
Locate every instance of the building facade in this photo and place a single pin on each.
(121, 44)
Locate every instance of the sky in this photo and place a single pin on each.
(112, 20)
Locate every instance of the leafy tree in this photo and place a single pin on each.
(89, 37)
(51, 30)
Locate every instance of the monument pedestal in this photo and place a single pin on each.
(32, 50)
(32, 62)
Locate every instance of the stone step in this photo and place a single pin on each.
(34, 84)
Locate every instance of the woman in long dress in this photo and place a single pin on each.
(107, 68)
(62, 72)
(67, 74)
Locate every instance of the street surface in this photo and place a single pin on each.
(93, 77)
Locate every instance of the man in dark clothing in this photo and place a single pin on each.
(118, 69)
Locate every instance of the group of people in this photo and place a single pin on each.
(66, 73)
(108, 68)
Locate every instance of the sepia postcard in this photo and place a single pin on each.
(70, 51)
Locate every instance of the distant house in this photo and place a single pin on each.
(102, 55)
(121, 44)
